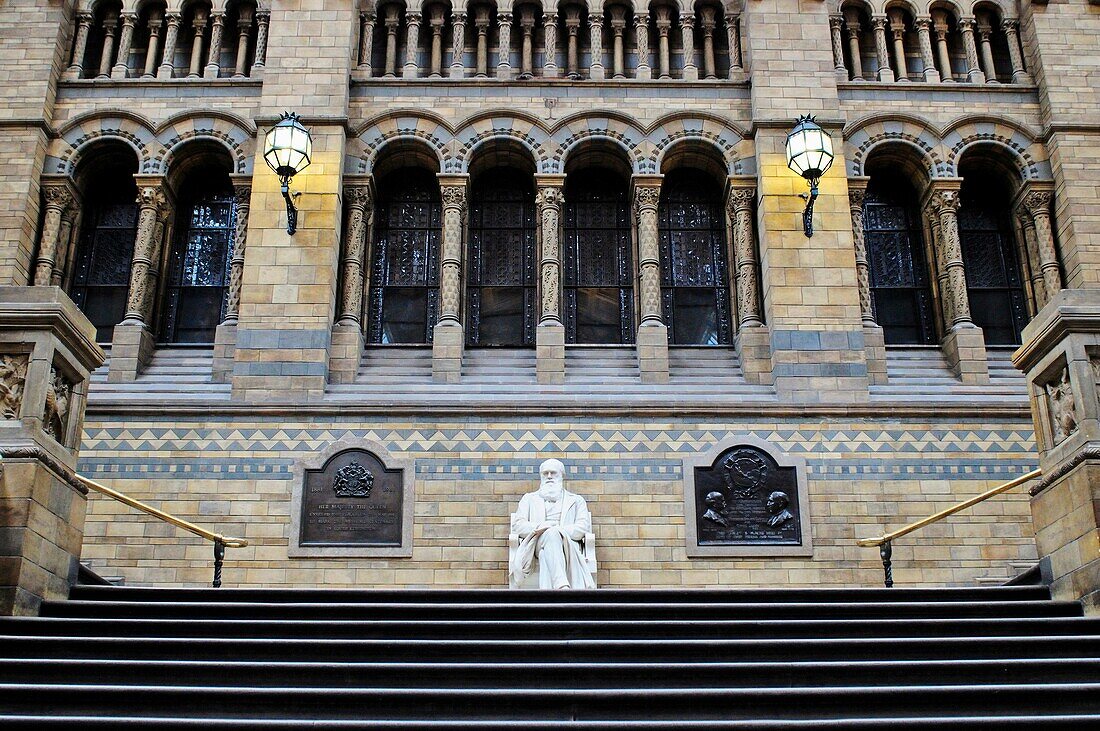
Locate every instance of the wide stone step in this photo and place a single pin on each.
(549, 703)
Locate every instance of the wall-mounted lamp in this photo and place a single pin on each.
(810, 154)
(288, 148)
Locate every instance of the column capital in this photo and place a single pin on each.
(1010, 24)
(358, 195)
(740, 193)
(152, 195)
(942, 192)
(59, 194)
(645, 190)
(1031, 193)
(879, 22)
(549, 180)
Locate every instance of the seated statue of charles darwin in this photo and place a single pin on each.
(551, 524)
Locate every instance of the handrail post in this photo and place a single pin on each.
(886, 550)
(219, 558)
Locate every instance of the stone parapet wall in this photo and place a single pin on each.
(864, 476)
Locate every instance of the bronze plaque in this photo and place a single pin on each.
(745, 498)
(352, 501)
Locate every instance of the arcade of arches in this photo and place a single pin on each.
(595, 251)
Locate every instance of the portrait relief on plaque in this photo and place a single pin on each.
(746, 499)
(352, 501)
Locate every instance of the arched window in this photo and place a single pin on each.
(404, 294)
(197, 275)
(501, 261)
(105, 250)
(598, 292)
(694, 273)
(900, 284)
(998, 303)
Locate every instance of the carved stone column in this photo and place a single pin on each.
(65, 247)
(836, 28)
(47, 350)
(652, 333)
(1060, 356)
(739, 208)
(885, 73)
(618, 28)
(526, 51)
(392, 23)
(458, 44)
(664, 27)
(80, 46)
(171, 35)
(973, 72)
(155, 20)
(133, 344)
(550, 334)
(58, 198)
(198, 26)
(985, 33)
(708, 25)
(939, 25)
(481, 22)
(447, 338)
(874, 342)
(244, 25)
(213, 55)
(110, 26)
(595, 29)
(550, 45)
(963, 343)
(851, 23)
(1015, 53)
(346, 350)
(504, 45)
(924, 38)
(1030, 254)
(687, 32)
(121, 69)
(259, 58)
(733, 36)
(572, 30)
(366, 41)
(225, 335)
(412, 45)
(897, 30)
(1036, 202)
(435, 56)
(641, 36)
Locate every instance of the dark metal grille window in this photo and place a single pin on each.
(404, 295)
(501, 294)
(198, 271)
(993, 281)
(598, 293)
(900, 288)
(694, 273)
(101, 277)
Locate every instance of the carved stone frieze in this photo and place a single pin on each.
(13, 378)
(55, 414)
(1062, 406)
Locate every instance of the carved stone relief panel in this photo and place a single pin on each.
(1061, 404)
(352, 500)
(59, 401)
(13, 378)
(745, 498)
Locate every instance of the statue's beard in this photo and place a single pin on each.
(550, 490)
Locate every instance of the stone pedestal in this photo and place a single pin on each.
(345, 352)
(447, 342)
(964, 348)
(47, 350)
(874, 348)
(225, 343)
(132, 347)
(653, 353)
(550, 353)
(1061, 358)
(753, 345)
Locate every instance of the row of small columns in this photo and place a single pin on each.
(121, 69)
(941, 205)
(527, 20)
(155, 213)
(937, 66)
(549, 199)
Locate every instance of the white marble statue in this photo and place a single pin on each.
(552, 523)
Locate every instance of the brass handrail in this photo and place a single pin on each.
(220, 542)
(885, 541)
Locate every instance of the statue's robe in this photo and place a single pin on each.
(558, 548)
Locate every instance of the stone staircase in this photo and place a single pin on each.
(174, 374)
(110, 657)
(921, 373)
